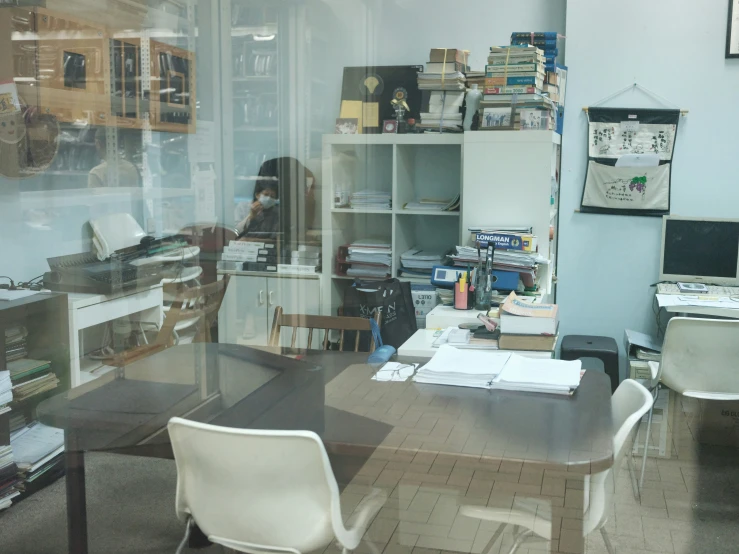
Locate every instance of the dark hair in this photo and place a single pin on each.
(268, 183)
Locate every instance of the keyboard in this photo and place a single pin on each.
(713, 290)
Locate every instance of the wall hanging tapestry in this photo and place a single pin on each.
(629, 161)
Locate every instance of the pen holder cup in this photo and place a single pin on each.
(462, 297)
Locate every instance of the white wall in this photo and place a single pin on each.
(675, 48)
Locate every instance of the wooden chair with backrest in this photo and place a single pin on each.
(321, 322)
(197, 303)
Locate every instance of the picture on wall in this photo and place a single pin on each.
(629, 161)
(732, 31)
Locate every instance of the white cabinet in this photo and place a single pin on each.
(250, 302)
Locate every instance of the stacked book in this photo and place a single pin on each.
(365, 258)
(6, 391)
(303, 261)
(31, 377)
(370, 200)
(417, 262)
(15, 342)
(475, 78)
(546, 41)
(443, 86)
(641, 349)
(38, 451)
(250, 256)
(514, 98)
(527, 326)
(9, 480)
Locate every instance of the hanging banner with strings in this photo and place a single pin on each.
(629, 161)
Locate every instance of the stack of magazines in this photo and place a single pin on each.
(369, 258)
(370, 200)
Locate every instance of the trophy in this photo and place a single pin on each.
(400, 105)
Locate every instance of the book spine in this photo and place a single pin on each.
(539, 43)
(527, 79)
(511, 90)
(508, 241)
(246, 257)
(541, 35)
(271, 268)
(296, 269)
(505, 60)
(524, 81)
(244, 245)
(514, 68)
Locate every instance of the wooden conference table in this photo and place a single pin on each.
(432, 448)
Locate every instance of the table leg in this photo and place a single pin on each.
(76, 501)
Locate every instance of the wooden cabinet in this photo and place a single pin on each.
(250, 302)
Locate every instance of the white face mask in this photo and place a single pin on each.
(267, 201)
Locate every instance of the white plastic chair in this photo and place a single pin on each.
(699, 360)
(628, 405)
(261, 492)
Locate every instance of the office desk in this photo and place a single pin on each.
(700, 311)
(420, 345)
(469, 445)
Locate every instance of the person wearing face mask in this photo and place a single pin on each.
(263, 219)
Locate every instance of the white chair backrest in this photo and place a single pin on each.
(255, 488)
(628, 405)
(702, 355)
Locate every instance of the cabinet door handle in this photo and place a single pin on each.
(271, 298)
(261, 298)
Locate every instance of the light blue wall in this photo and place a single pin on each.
(675, 48)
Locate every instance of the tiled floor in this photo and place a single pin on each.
(689, 504)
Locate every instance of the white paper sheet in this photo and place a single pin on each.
(705, 301)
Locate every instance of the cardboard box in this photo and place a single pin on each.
(712, 421)
(424, 300)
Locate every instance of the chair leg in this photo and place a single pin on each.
(518, 540)
(491, 542)
(632, 476)
(646, 441)
(607, 540)
(188, 527)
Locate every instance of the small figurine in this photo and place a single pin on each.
(400, 105)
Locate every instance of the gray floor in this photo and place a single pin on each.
(130, 509)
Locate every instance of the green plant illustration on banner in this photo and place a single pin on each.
(639, 183)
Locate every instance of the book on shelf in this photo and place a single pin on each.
(437, 81)
(527, 79)
(443, 55)
(35, 445)
(448, 67)
(515, 49)
(524, 318)
(511, 341)
(512, 60)
(514, 69)
(26, 367)
(527, 100)
(295, 269)
(258, 266)
(35, 386)
(535, 35)
(434, 205)
(519, 89)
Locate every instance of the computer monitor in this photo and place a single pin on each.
(700, 250)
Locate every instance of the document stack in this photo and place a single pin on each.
(417, 262)
(514, 97)
(641, 349)
(304, 260)
(366, 258)
(434, 205)
(15, 342)
(443, 87)
(527, 326)
(31, 377)
(38, 451)
(6, 391)
(9, 480)
(250, 256)
(370, 200)
(452, 366)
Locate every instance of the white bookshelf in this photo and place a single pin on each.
(408, 167)
(503, 178)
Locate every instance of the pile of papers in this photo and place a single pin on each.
(6, 390)
(35, 386)
(35, 446)
(500, 370)
(443, 110)
(464, 339)
(8, 477)
(369, 258)
(420, 262)
(31, 377)
(436, 81)
(15, 342)
(462, 368)
(370, 200)
(431, 205)
(532, 375)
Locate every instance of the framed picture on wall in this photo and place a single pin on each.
(732, 32)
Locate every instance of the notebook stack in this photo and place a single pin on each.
(514, 98)
(370, 200)
(38, 451)
(417, 262)
(8, 470)
(250, 256)
(527, 326)
(305, 260)
(31, 377)
(15, 342)
(443, 86)
(365, 258)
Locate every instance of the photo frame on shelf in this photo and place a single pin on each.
(732, 30)
(173, 94)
